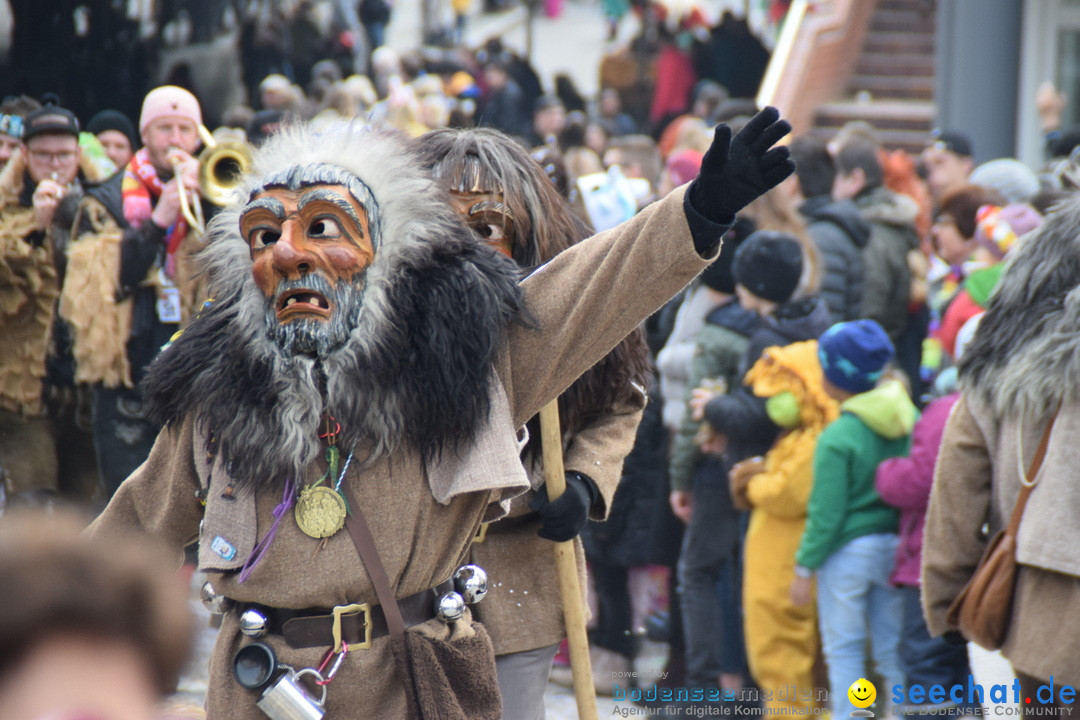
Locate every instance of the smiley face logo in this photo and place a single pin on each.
(862, 693)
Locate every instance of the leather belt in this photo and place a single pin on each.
(358, 624)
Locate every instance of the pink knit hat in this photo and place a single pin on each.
(998, 228)
(169, 101)
(683, 166)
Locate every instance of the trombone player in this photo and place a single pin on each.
(130, 282)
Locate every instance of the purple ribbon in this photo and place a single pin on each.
(260, 550)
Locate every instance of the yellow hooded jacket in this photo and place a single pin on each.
(782, 639)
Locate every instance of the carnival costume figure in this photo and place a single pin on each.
(40, 403)
(508, 201)
(363, 346)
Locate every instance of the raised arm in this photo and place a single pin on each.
(591, 296)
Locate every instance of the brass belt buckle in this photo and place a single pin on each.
(340, 610)
(481, 533)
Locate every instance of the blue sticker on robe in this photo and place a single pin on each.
(223, 548)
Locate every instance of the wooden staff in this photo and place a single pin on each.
(566, 563)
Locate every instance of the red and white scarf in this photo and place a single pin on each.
(140, 189)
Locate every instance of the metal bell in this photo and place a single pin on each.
(253, 623)
(214, 602)
(451, 607)
(471, 582)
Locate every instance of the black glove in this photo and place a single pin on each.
(564, 518)
(736, 170)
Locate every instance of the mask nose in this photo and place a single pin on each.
(292, 257)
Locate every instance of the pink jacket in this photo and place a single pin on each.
(904, 483)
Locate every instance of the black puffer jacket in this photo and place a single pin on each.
(840, 233)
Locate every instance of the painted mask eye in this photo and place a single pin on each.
(325, 227)
(263, 237)
(492, 222)
(490, 232)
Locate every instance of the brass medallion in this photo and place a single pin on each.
(320, 511)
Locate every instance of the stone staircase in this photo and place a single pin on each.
(893, 83)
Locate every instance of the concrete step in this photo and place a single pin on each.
(906, 64)
(913, 141)
(879, 111)
(902, 20)
(899, 43)
(899, 123)
(923, 6)
(894, 86)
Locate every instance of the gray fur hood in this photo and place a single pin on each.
(1025, 357)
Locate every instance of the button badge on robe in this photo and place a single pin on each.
(223, 547)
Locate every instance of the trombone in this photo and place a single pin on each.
(221, 165)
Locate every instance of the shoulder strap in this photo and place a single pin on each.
(369, 554)
(1028, 481)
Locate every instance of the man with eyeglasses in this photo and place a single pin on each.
(50, 150)
(39, 401)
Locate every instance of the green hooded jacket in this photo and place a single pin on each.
(873, 426)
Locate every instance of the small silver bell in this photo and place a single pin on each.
(253, 623)
(471, 582)
(217, 604)
(451, 607)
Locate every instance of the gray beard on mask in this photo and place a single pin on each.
(317, 338)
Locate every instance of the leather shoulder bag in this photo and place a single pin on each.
(983, 609)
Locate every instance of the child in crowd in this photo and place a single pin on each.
(768, 267)
(782, 638)
(709, 562)
(904, 483)
(850, 538)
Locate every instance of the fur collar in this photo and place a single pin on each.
(1025, 357)
(415, 373)
(12, 178)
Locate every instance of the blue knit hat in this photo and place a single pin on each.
(854, 354)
